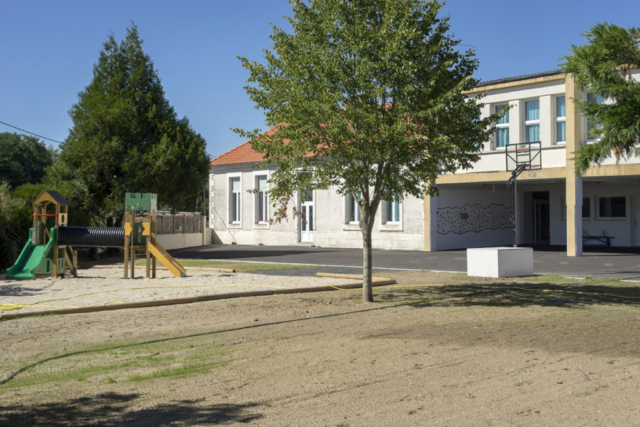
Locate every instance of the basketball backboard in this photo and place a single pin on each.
(528, 154)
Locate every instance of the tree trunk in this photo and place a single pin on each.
(367, 264)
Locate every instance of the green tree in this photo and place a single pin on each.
(127, 138)
(10, 240)
(370, 97)
(602, 67)
(23, 159)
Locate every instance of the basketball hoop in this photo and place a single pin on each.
(520, 158)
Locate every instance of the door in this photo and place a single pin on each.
(307, 219)
(541, 222)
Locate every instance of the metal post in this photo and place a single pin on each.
(515, 213)
(133, 243)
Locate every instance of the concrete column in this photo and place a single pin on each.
(211, 200)
(573, 180)
(430, 223)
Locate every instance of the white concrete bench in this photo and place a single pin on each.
(500, 262)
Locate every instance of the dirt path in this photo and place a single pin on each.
(503, 354)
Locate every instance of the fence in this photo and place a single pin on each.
(180, 223)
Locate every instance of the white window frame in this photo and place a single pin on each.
(392, 220)
(232, 194)
(265, 205)
(496, 108)
(352, 206)
(529, 122)
(561, 119)
(611, 218)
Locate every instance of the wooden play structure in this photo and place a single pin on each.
(140, 236)
(43, 254)
(49, 251)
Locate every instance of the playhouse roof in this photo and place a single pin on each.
(52, 197)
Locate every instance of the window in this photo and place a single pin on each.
(392, 213)
(590, 124)
(561, 120)
(353, 209)
(502, 128)
(532, 121)
(261, 200)
(234, 206)
(612, 207)
(586, 208)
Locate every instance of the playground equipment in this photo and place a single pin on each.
(141, 236)
(44, 254)
(50, 251)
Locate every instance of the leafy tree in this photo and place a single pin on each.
(370, 97)
(127, 138)
(10, 241)
(603, 67)
(23, 158)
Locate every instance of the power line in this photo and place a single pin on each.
(35, 134)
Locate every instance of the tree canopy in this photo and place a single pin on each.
(126, 137)
(602, 67)
(369, 99)
(23, 158)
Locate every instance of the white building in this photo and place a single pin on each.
(473, 208)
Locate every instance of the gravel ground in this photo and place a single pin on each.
(542, 352)
(98, 286)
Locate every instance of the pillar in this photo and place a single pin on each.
(430, 223)
(573, 180)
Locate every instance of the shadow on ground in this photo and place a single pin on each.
(114, 409)
(516, 295)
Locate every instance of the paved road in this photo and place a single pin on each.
(550, 260)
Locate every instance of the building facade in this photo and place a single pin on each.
(473, 207)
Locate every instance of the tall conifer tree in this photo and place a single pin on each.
(127, 138)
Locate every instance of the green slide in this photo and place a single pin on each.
(33, 259)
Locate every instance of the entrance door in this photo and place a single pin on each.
(541, 222)
(307, 220)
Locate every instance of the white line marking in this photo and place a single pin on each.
(323, 265)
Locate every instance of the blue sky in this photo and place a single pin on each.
(48, 48)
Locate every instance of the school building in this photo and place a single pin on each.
(473, 208)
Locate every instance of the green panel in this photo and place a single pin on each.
(141, 202)
(45, 266)
(34, 259)
(140, 239)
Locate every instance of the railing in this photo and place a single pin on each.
(180, 223)
(528, 154)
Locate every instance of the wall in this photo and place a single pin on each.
(333, 231)
(553, 153)
(178, 241)
(331, 227)
(621, 229)
(247, 232)
(487, 211)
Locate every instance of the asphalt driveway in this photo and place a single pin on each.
(547, 260)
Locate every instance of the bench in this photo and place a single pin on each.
(602, 239)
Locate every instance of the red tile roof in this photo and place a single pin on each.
(243, 153)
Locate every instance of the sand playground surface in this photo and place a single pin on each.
(106, 286)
